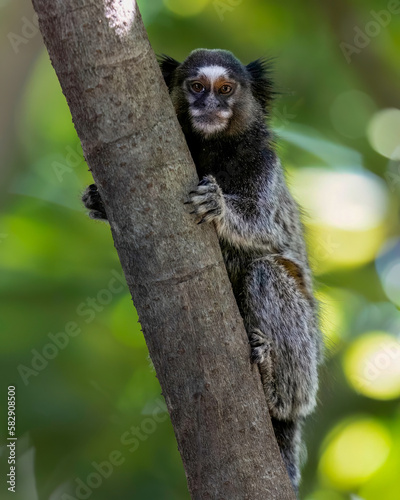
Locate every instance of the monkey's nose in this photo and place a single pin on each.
(212, 104)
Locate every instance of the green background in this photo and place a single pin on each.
(339, 137)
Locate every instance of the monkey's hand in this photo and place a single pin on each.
(93, 202)
(207, 200)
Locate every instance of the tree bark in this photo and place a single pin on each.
(140, 162)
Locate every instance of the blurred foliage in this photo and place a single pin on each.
(87, 396)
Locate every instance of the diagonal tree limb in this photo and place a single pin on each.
(174, 268)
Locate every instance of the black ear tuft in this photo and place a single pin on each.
(168, 66)
(261, 81)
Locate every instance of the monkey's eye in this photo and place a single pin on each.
(225, 89)
(197, 87)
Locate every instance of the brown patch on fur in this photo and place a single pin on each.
(224, 81)
(294, 271)
(217, 84)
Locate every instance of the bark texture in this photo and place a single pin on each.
(174, 268)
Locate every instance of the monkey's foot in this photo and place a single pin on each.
(207, 200)
(260, 346)
(93, 202)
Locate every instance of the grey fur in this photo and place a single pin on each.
(259, 228)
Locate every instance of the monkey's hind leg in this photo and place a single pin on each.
(280, 325)
(281, 328)
(287, 432)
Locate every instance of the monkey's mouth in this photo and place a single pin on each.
(209, 122)
(210, 116)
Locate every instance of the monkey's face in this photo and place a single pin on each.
(214, 93)
(210, 93)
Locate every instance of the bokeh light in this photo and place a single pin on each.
(384, 132)
(388, 266)
(346, 211)
(391, 282)
(353, 201)
(392, 174)
(385, 483)
(372, 365)
(353, 452)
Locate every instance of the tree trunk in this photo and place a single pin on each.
(140, 162)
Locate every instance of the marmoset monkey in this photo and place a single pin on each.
(222, 107)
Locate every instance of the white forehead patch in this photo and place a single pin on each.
(213, 72)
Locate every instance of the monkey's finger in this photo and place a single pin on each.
(200, 199)
(203, 190)
(209, 216)
(207, 206)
